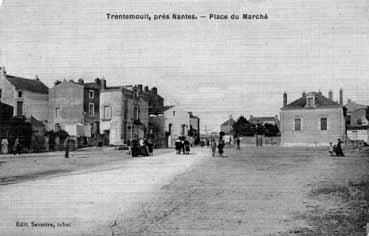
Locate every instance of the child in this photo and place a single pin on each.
(331, 149)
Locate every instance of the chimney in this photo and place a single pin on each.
(139, 88)
(146, 88)
(304, 94)
(97, 81)
(284, 98)
(103, 84)
(57, 82)
(341, 96)
(80, 81)
(155, 90)
(330, 95)
(37, 78)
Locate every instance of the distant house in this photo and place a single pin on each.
(156, 116)
(6, 114)
(272, 120)
(124, 114)
(28, 97)
(227, 126)
(74, 107)
(176, 122)
(357, 121)
(312, 120)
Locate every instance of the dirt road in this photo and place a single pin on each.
(251, 192)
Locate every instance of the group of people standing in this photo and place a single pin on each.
(141, 147)
(16, 148)
(182, 145)
(220, 146)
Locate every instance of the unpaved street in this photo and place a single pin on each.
(252, 192)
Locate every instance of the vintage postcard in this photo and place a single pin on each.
(184, 117)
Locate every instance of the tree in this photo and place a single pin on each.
(242, 127)
(271, 130)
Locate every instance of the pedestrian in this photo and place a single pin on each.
(4, 146)
(221, 146)
(187, 146)
(183, 145)
(339, 151)
(150, 147)
(177, 145)
(259, 135)
(47, 146)
(331, 149)
(16, 147)
(213, 147)
(66, 144)
(238, 143)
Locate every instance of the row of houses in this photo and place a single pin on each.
(316, 120)
(227, 126)
(95, 113)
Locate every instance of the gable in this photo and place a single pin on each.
(30, 85)
(320, 102)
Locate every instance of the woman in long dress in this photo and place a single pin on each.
(4, 146)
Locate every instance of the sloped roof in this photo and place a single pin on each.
(352, 106)
(264, 118)
(229, 122)
(31, 85)
(320, 102)
(165, 108)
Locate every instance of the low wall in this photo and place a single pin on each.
(266, 140)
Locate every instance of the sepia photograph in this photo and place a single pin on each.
(184, 118)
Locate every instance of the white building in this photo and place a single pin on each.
(28, 97)
(176, 123)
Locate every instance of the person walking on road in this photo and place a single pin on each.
(339, 151)
(187, 146)
(16, 147)
(177, 145)
(66, 143)
(213, 147)
(150, 147)
(238, 143)
(221, 147)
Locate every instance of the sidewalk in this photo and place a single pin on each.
(17, 168)
(60, 153)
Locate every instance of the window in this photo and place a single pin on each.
(174, 113)
(170, 128)
(298, 124)
(107, 112)
(135, 113)
(310, 102)
(20, 94)
(91, 109)
(91, 94)
(323, 123)
(57, 112)
(19, 108)
(0, 93)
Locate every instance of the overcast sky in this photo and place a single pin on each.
(214, 68)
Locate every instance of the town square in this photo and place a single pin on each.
(198, 117)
